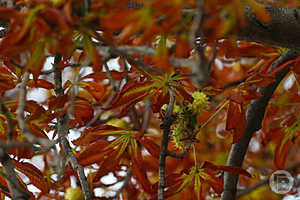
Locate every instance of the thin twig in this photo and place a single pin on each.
(110, 78)
(201, 70)
(143, 51)
(125, 183)
(46, 143)
(147, 115)
(165, 126)
(136, 120)
(181, 155)
(15, 144)
(63, 128)
(9, 174)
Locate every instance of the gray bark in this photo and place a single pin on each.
(283, 30)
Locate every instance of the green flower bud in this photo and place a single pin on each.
(200, 102)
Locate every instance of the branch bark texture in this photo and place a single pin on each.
(63, 128)
(166, 125)
(254, 116)
(283, 30)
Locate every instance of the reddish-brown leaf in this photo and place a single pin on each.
(109, 164)
(281, 153)
(34, 174)
(83, 112)
(97, 61)
(151, 146)
(96, 133)
(100, 76)
(4, 187)
(232, 169)
(158, 100)
(95, 89)
(40, 83)
(9, 13)
(94, 153)
(140, 174)
(236, 120)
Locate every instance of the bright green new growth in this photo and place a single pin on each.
(184, 127)
(200, 102)
(176, 109)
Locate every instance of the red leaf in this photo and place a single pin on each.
(151, 147)
(95, 89)
(215, 182)
(92, 153)
(182, 48)
(281, 153)
(140, 173)
(124, 98)
(34, 109)
(83, 112)
(100, 76)
(34, 174)
(95, 133)
(109, 164)
(236, 120)
(158, 100)
(40, 83)
(9, 13)
(35, 130)
(4, 187)
(97, 61)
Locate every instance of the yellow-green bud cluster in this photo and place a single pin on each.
(200, 102)
(176, 109)
(180, 133)
(186, 120)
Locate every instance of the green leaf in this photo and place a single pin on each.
(30, 18)
(197, 186)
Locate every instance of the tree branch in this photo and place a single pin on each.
(9, 174)
(254, 117)
(20, 116)
(181, 155)
(63, 128)
(165, 126)
(125, 183)
(277, 32)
